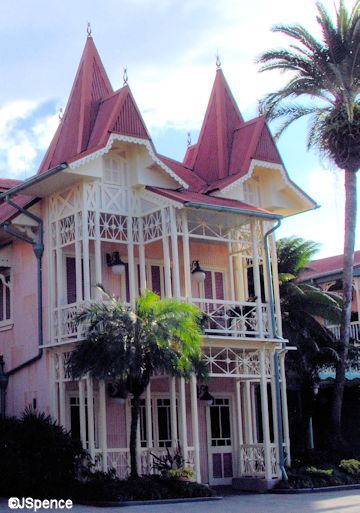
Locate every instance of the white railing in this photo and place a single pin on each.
(239, 319)
(354, 330)
(253, 460)
(228, 318)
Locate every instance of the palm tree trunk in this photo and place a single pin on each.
(135, 410)
(349, 244)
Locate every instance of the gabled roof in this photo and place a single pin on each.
(327, 266)
(210, 158)
(194, 181)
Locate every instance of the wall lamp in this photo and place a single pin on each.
(197, 273)
(114, 261)
(205, 396)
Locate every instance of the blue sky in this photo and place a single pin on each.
(169, 48)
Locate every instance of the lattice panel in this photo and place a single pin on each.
(91, 224)
(114, 199)
(253, 460)
(120, 461)
(152, 226)
(65, 203)
(234, 362)
(113, 227)
(67, 230)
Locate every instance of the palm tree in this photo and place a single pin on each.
(325, 74)
(127, 346)
(304, 308)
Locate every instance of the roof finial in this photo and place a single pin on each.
(188, 139)
(60, 114)
(218, 61)
(88, 29)
(125, 76)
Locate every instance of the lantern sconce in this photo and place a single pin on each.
(197, 273)
(114, 261)
(205, 396)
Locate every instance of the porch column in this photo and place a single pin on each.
(78, 266)
(130, 252)
(274, 411)
(239, 275)
(275, 274)
(142, 263)
(357, 295)
(175, 253)
(231, 273)
(248, 418)
(239, 424)
(148, 413)
(97, 245)
(256, 273)
(59, 278)
(186, 254)
(265, 415)
(62, 408)
(82, 412)
(86, 256)
(254, 412)
(54, 389)
(173, 416)
(182, 418)
(195, 426)
(285, 413)
(102, 424)
(166, 254)
(90, 416)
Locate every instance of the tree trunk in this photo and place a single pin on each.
(135, 410)
(349, 243)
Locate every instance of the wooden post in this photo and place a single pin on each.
(90, 416)
(265, 415)
(239, 424)
(166, 255)
(257, 283)
(182, 418)
(173, 416)
(186, 255)
(82, 412)
(102, 424)
(195, 426)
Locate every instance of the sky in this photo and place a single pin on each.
(169, 48)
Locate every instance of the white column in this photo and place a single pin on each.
(62, 397)
(86, 255)
(54, 389)
(142, 263)
(256, 273)
(285, 413)
(231, 274)
(186, 254)
(175, 253)
(131, 263)
(82, 412)
(265, 415)
(98, 263)
(275, 276)
(239, 424)
(182, 418)
(148, 413)
(248, 418)
(166, 255)
(173, 416)
(90, 416)
(78, 266)
(59, 277)
(274, 411)
(102, 424)
(195, 426)
(254, 411)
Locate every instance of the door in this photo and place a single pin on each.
(220, 441)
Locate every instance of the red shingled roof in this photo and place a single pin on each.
(328, 265)
(7, 211)
(194, 181)
(8, 183)
(196, 197)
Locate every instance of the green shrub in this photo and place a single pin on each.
(319, 471)
(350, 466)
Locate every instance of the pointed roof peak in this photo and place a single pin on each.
(211, 158)
(90, 87)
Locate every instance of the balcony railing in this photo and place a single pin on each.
(354, 330)
(220, 318)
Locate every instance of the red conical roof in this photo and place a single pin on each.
(211, 156)
(91, 85)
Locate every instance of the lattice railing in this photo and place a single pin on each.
(354, 330)
(236, 362)
(119, 459)
(238, 319)
(253, 460)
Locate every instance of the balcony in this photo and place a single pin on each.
(220, 319)
(354, 330)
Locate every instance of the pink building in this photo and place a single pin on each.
(103, 192)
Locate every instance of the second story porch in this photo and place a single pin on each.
(158, 241)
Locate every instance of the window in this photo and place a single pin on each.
(70, 273)
(115, 170)
(5, 295)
